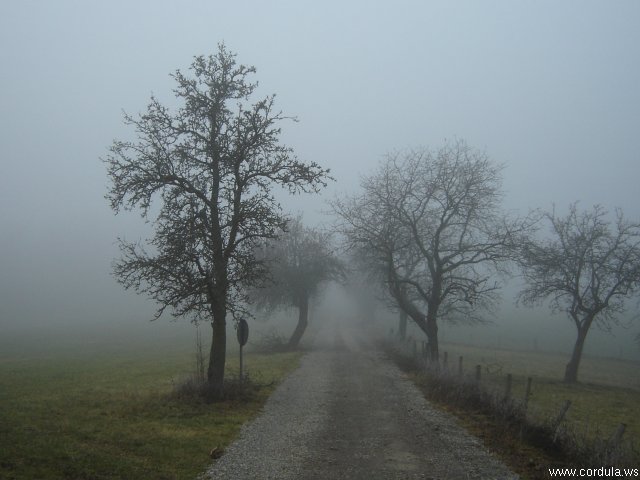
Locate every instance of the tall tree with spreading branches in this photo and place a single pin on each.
(433, 222)
(587, 268)
(210, 164)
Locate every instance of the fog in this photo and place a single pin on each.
(549, 89)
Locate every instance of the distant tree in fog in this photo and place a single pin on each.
(298, 263)
(432, 223)
(369, 293)
(375, 259)
(210, 165)
(587, 268)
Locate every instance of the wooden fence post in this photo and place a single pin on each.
(507, 392)
(617, 436)
(559, 418)
(445, 360)
(460, 366)
(478, 372)
(527, 393)
(425, 355)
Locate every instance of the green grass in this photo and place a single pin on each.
(608, 392)
(104, 412)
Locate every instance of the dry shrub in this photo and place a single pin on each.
(194, 389)
(270, 342)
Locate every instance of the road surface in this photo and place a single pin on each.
(348, 413)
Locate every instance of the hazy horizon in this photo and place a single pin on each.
(549, 89)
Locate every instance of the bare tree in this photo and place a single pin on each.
(587, 268)
(210, 165)
(432, 221)
(298, 263)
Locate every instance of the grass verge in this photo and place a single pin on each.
(104, 416)
(607, 394)
(528, 440)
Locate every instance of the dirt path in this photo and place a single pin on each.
(349, 413)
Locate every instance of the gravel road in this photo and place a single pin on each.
(349, 413)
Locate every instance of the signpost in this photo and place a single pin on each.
(243, 335)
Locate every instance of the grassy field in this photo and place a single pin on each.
(608, 392)
(102, 409)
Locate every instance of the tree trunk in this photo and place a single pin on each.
(402, 325)
(429, 326)
(303, 319)
(571, 371)
(433, 307)
(432, 336)
(217, 355)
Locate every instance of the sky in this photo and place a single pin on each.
(549, 89)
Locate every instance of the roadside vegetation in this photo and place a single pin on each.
(532, 439)
(112, 413)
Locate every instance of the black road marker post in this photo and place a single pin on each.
(243, 336)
